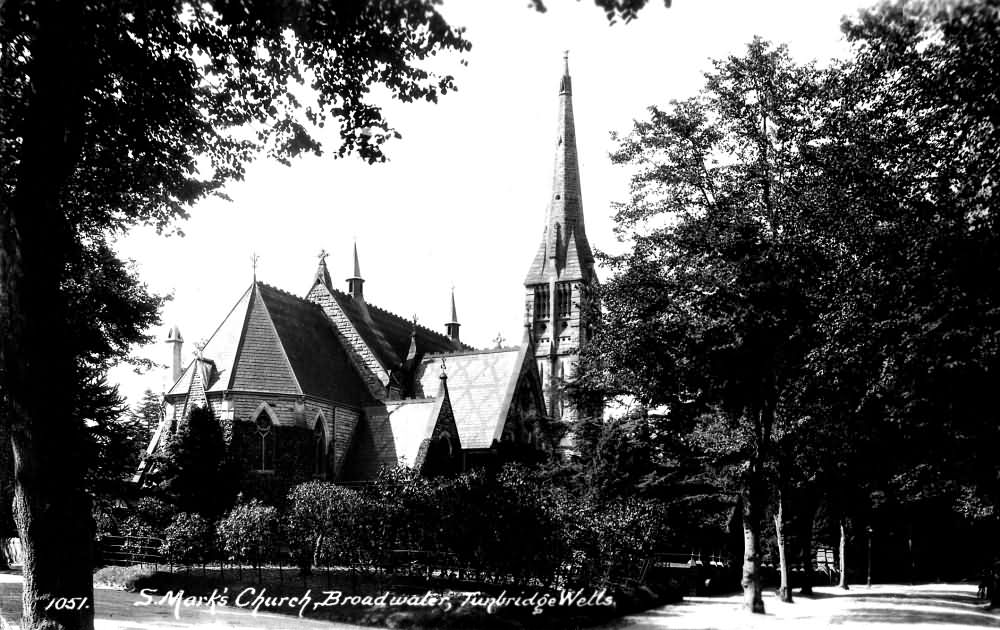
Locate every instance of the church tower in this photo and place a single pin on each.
(561, 278)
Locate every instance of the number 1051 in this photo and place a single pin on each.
(67, 603)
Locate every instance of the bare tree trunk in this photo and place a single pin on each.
(752, 590)
(784, 590)
(38, 371)
(843, 554)
(807, 550)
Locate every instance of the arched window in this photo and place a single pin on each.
(264, 439)
(446, 444)
(319, 448)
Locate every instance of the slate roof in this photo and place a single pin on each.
(277, 342)
(481, 385)
(388, 334)
(319, 362)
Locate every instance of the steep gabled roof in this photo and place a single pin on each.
(273, 341)
(481, 385)
(318, 361)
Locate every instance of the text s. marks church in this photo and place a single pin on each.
(330, 386)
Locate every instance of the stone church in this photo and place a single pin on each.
(330, 386)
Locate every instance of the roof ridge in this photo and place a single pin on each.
(384, 311)
(407, 401)
(302, 300)
(431, 355)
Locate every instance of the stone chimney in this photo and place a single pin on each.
(175, 340)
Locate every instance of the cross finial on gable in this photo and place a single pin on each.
(322, 255)
(499, 340)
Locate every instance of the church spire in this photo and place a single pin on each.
(355, 284)
(564, 219)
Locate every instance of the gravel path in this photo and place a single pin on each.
(941, 606)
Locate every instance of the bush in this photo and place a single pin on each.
(190, 539)
(318, 520)
(155, 512)
(121, 577)
(245, 534)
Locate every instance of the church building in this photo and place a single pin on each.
(329, 386)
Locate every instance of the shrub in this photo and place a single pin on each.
(190, 539)
(121, 577)
(245, 533)
(310, 519)
(155, 513)
(191, 468)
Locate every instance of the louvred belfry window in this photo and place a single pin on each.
(564, 297)
(541, 301)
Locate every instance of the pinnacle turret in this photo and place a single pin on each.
(355, 284)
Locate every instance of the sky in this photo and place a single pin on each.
(461, 201)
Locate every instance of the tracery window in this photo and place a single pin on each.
(265, 441)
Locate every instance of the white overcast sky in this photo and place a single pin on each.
(462, 199)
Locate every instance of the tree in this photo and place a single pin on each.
(148, 412)
(192, 468)
(910, 171)
(710, 313)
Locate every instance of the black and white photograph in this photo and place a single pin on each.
(482, 315)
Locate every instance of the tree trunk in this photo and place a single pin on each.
(784, 590)
(38, 370)
(843, 554)
(752, 507)
(807, 550)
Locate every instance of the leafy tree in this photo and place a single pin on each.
(908, 345)
(192, 469)
(710, 313)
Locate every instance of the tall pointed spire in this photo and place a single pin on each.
(355, 284)
(564, 219)
(453, 326)
(559, 281)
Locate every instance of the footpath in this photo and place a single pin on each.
(885, 606)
